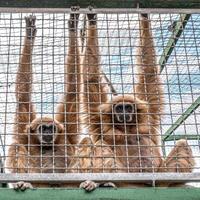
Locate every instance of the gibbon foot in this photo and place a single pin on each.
(73, 21)
(30, 27)
(21, 185)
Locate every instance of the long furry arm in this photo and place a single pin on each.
(68, 110)
(94, 93)
(149, 87)
(24, 109)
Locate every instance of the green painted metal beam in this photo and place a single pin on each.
(102, 3)
(177, 31)
(178, 137)
(181, 119)
(122, 194)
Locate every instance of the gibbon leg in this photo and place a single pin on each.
(68, 110)
(149, 86)
(180, 159)
(17, 161)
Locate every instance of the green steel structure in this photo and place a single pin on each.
(103, 194)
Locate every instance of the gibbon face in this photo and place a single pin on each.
(125, 115)
(46, 130)
(124, 112)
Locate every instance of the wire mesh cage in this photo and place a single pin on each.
(120, 89)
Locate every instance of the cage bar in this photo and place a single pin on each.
(149, 178)
(103, 4)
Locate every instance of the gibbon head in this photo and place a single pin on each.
(127, 112)
(46, 130)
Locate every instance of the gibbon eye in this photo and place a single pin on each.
(119, 108)
(129, 108)
(44, 127)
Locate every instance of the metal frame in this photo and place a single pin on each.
(177, 31)
(116, 177)
(103, 4)
(100, 10)
(180, 120)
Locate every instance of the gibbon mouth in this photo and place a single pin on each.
(47, 139)
(46, 147)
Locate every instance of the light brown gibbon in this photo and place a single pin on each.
(44, 144)
(90, 157)
(129, 124)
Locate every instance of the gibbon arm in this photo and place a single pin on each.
(17, 160)
(68, 111)
(24, 109)
(149, 85)
(94, 92)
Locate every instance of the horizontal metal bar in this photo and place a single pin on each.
(100, 10)
(103, 4)
(114, 177)
(182, 118)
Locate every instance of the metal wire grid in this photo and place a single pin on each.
(118, 40)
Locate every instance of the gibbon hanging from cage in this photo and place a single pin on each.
(129, 124)
(44, 144)
(93, 157)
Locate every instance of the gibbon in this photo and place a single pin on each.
(93, 157)
(129, 124)
(44, 144)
